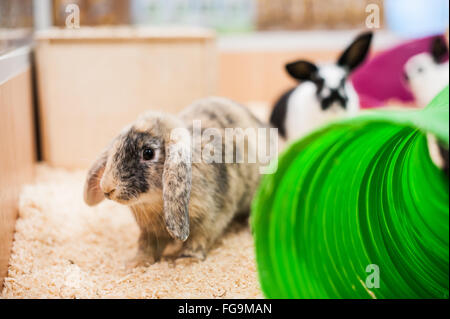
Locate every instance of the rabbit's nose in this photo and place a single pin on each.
(109, 192)
(107, 185)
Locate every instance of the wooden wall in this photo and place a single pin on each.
(17, 155)
(313, 14)
(259, 76)
(91, 87)
(94, 12)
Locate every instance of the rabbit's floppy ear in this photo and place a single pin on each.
(439, 49)
(177, 180)
(92, 191)
(302, 70)
(355, 54)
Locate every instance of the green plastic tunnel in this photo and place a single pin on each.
(358, 210)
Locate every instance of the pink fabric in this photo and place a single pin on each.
(381, 79)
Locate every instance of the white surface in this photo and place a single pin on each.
(42, 14)
(13, 63)
(301, 40)
(125, 33)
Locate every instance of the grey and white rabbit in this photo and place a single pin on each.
(174, 199)
(427, 74)
(324, 92)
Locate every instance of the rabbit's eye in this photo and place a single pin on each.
(148, 154)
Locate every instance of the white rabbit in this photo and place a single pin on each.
(324, 92)
(426, 74)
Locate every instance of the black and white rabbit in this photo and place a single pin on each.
(426, 75)
(324, 92)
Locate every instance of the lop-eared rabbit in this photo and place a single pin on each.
(173, 197)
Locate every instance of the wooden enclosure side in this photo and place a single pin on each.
(90, 89)
(260, 75)
(17, 151)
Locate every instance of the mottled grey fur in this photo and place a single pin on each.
(173, 200)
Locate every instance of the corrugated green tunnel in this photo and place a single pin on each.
(357, 202)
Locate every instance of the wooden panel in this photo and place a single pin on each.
(17, 155)
(313, 14)
(260, 75)
(89, 89)
(94, 12)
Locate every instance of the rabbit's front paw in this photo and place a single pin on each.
(140, 260)
(194, 250)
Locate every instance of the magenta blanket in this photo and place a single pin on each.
(381, 79)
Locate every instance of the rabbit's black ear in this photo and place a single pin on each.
(439, 49)
(356, 53)
(302, 70)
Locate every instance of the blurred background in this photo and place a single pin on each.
(169, 53)
(228, 16)
(253, 34)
